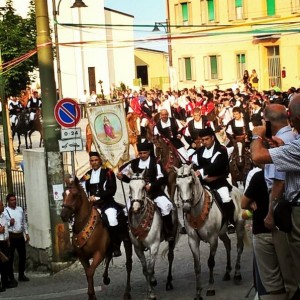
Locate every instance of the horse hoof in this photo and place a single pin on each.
(169, 286)
(153, 283)
(210, 293)
(106, 280)
(237, 279)
(226, 277)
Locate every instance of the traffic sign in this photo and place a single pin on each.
(67, 112)
(70, 145)
(70, 133)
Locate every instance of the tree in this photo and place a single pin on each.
(18, 37)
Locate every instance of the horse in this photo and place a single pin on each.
(240, 162)
(146, 225)
(90, 237)
(21, 128)
(36, 125)
(169, 158)
(203, 222)
(133, 131)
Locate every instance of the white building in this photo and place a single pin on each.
(92, 52)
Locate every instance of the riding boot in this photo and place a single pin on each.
(168, 227)
(115, 240)
(229, 209)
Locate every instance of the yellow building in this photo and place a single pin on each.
(152, 68)
(214, 41)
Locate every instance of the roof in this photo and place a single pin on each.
(118, 12)
(150, 50)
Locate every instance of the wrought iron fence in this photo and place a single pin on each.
(18, 186)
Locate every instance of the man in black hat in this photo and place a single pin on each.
(156, 179)
(213, 168)
(100, 185)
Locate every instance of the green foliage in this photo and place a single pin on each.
(17, 37)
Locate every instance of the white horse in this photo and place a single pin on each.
(146, 232)
(203, 222)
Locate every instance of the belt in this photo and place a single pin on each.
(15, 234)
(297, 203)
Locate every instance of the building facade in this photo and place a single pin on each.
(214, 41)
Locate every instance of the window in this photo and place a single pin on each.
(270, 7)
(185, 13)
(211, 10)
(236, 10)
(212, 67)
(240, 65)
(142, 72)
(186, 68)
(239, 9)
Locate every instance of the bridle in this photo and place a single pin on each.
(140, 201)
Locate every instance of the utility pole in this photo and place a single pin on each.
(53, 158)
(7, 142)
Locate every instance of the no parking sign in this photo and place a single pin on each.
(67, 112)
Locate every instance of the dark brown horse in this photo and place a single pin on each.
(21, 128)
(240, 162)
(90, 237)
(37, 125)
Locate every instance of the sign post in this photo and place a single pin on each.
(67, 114)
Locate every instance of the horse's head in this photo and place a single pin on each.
(184, 182)
(72, 199)
(137, 191)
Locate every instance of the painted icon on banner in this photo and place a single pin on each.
(108, 128)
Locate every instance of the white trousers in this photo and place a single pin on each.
(163, 203)
(13, 119)
(31, 116)
(111, 214)
(224, 193)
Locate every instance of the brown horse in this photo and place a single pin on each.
(240, 162)
(37, 125)
(90, 237)
(133, 132)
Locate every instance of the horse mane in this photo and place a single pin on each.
(197, 187)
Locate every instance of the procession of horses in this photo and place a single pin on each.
(202, 212)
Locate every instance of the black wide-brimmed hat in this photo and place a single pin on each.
(144, 146)
(205, 132)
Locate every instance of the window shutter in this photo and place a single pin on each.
(211, 10)
(193, 65)
(190, 13)
(231, 10)
(294, 6)
(177, 15)
(206, 67)
(204, 9)
(271, 7)
(185, 13)
(219, 66)
(181, 69)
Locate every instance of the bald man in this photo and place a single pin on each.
(286, 158)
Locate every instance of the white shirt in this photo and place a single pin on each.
(20, 221)
(166, 124)
(4, 223)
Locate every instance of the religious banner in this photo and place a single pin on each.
(109, 129)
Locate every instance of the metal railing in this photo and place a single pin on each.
(18, 187)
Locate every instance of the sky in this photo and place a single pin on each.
(145, 12)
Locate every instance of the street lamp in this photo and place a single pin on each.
(76, 4)
(166, 27)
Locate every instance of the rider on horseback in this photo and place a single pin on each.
(156, 179)
(100, 185)
(212, 168)
(14, 107)
(33, 104)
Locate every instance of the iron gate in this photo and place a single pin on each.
(18, 186)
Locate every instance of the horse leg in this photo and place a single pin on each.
(30, 141)
(194, 243)
(169, 285)
(26, 142)
(211, 265)
(90, 277)
(227, 243)
(140, 253)
(128, 251)
(240, 233)
(106, 279)
(19, 146)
